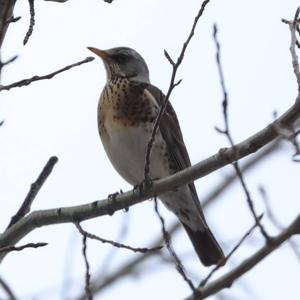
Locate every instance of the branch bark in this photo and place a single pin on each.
(228, 279)
(107, 206)
(100, 282)
(6, 13)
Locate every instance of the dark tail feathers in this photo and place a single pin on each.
(206, 246)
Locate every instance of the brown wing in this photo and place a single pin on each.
(171, 132)
(204, 242)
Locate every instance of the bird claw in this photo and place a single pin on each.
(144, 186)
(112, 197)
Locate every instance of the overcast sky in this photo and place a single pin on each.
(58, 117)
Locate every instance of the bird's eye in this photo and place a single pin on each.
(121, 58)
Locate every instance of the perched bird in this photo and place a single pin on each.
(128, 107)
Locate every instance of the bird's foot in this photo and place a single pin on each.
(112, 197)
(144, 186)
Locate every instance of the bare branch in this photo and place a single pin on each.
(276, 223)
(113, 243)
(6, 14)
(108, 259)
(167, 239)
(31, 22)
(224, 157)
(87, 288)
(227, 132)
(20, 248)
(49, 76)
(99, 284)
(221, 264)
(34, 189)
(7, 289)
(3, 64)
(228, 279)
(172, 85)
(290, 134)
(295, 61)
(252, 162)
(12, 20)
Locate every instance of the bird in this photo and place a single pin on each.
(127, 110)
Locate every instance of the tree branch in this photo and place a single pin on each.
(127, 269)
(20, 248)
(88, 292)
(99, 284)
(34, 189)
(31, 22)
(174, 256)
(227, 132)
(7, 289)
(28, 81)
(234, 249)
(224, 157)
(228, 279)
(172, 85)
(113, 243)
(6, 13)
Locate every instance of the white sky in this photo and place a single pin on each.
(58, 117)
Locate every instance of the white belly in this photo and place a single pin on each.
(126, 149)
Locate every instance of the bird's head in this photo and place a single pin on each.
(123, 62)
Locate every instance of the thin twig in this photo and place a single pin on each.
(34, 189)
(20, 248)
(248, 264)
(217, 267)
(87, 288)
(167, 240)
(5, 63)
(223, 157)
(31, 22)
(8, 290)
(108, 259)
(290, 134)
(172, 85)
(113, 243)
(295, 61)
(227, 132)
(48, 76)
(270, 214)
(12, 19)
(128, 267)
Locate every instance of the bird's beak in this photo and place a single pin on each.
(103, 54)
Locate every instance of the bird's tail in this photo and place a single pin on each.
(206, 246)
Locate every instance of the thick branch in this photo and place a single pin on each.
(105, 207)
(227, 280)
(99, 285)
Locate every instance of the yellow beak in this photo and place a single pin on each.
(103, 54)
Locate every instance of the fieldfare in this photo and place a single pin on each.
(127, 110)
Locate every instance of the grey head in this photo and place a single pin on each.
(123, 62)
